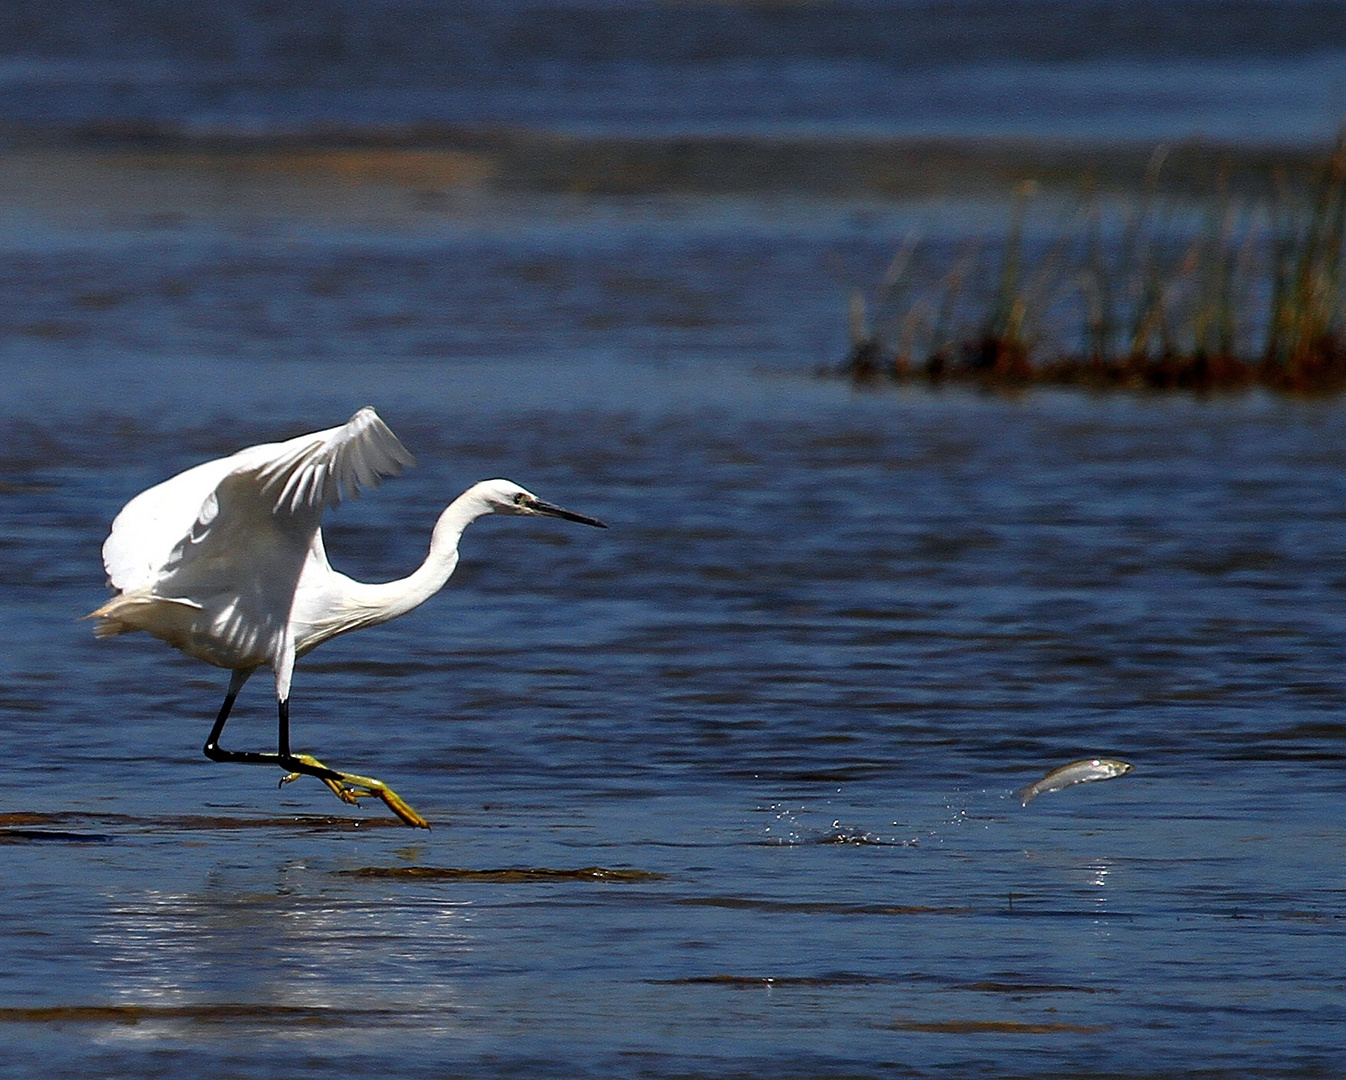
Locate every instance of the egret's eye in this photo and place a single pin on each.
(521, 499)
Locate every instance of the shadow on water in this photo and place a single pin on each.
(14, 823)
(994, 1027)
(772, 982)
(1033, 988)
(50, 836)
(206, 1013)
(818, 907)
(503, 876)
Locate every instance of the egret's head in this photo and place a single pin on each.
(506, 497)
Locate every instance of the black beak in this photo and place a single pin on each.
(540, 507)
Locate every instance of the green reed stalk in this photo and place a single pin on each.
(1305, 331)
(940, 337)
(1004, 344)
(1099, 322)
(1210, 333)
(1138, 253)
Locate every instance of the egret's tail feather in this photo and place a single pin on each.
(118, 615)
(108, 624)
(106, 628)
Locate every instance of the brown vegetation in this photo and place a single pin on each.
(1251, 294)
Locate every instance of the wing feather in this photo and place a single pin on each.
(305, 474)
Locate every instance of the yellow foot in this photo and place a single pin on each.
(352, 788)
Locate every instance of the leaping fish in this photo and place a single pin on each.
(1077, 772)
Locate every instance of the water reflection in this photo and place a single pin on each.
(286, 951)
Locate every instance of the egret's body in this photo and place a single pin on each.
(226, 562)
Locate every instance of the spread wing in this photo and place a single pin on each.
(209, 561)
(206, 511)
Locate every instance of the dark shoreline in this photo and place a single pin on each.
(541, 161)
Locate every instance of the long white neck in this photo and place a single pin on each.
(379, 603)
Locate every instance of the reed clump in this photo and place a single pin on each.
(1159, 294)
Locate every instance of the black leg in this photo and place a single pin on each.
(212, 748)
(283, 729)
(348, 787)
(283, 759)
(287, 760)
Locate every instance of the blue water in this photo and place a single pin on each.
(1264, 71)
(726, 789)
(788, 694)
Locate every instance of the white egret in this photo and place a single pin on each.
(226, 562)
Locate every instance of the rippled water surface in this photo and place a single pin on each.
(1262, 70)
(723, 790)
